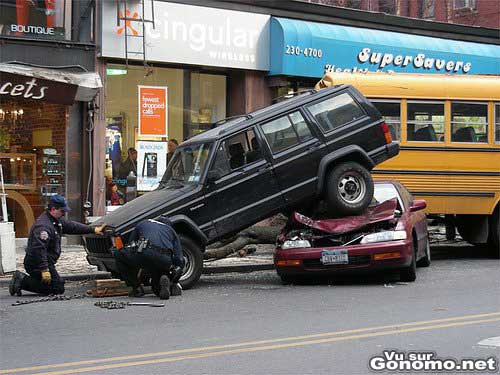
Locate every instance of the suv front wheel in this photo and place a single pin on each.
(349, 189)
(193, 262)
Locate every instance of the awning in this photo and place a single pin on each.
(53, 85)
(310, 49)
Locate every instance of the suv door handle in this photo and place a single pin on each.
(314, 146)
(264, 168)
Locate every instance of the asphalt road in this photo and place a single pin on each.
(251, 324)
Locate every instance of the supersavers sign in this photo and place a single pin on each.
(419, 61)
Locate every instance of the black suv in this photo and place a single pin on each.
(316, 146)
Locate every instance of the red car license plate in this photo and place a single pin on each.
(334, 257)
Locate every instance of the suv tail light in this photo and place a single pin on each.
(387, 133)
(117, 242)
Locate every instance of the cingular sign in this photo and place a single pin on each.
(418, 61)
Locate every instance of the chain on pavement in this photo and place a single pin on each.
(110, 305)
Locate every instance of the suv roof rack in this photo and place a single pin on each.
(292, 94)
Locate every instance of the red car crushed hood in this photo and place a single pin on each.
(342, 231)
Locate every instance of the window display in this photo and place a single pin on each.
(34, 18)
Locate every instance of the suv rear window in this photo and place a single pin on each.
(286, 131)
(336, 111)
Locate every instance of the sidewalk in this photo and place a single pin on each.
(73, 265)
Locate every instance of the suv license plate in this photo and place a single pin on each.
(334, 257)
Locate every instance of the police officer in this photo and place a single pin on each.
(44, 249)
(155, 247)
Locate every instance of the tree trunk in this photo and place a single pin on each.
(252, 235)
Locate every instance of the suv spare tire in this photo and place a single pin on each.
(349, 189)
(193, 262)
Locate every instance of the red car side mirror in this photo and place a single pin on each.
(418, 205)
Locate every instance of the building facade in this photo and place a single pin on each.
(47, 82)
(483, 13)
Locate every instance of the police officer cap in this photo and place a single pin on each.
(58, 201)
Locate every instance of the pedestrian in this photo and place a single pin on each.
(154, 247)
(44, 249)
(171, 147)
(129, 165)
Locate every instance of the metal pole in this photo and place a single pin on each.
(4, 197)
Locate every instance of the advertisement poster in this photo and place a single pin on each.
(153, 114)
(151, 164)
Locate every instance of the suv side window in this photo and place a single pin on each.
(237, 151)
(336, 111)
(286, 131)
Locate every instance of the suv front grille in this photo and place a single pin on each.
(98, 244)
(354, 260)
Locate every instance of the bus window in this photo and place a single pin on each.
(469, 122)
(391, 112)
(425, 122)
(497, 123)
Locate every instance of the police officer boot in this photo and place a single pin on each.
(164, 287)
(136, 292)
(176, 289)
(15, 283)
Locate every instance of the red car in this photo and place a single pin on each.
(391, 234)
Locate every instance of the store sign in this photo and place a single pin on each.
(153, 111)
(24, 87)
(308, 49)
(151, 164)
(37, 19)
(189, 34)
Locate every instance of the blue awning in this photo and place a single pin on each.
(310, 49)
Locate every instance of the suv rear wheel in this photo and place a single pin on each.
(193, 262)
(349, 189)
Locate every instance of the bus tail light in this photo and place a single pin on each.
(387, 133)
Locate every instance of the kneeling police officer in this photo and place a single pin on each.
(153, 246)
(44, 249)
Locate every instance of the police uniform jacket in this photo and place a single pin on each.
(44, 242)
(160, 234)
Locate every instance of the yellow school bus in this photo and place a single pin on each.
(448, 127)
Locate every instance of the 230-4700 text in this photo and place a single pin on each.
(307, 52)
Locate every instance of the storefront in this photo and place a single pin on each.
(197, 59)
(36, 105)
(302, 51)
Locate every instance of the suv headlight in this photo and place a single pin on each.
(294, 244)
(384, 236)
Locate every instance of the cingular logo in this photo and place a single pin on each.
(199, 36)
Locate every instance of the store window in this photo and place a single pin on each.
(464, 4)
(428, 9)
(41, 19)
(208, 102)
(425, 122)
(193, 103)
(469, 122)
(391, 112)
(32, 155)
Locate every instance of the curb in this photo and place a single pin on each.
(240, 269)
(98, 275)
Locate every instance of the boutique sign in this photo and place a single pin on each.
(188, 34)
(307, 49)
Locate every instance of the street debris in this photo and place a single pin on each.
(115, 305)
(60, 297)
(109, 288)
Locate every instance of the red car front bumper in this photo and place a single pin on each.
(368, 257)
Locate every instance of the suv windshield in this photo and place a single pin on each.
(187, 165)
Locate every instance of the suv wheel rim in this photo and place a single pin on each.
(352, 188)
(188, 265)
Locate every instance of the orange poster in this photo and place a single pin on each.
(153, 114)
